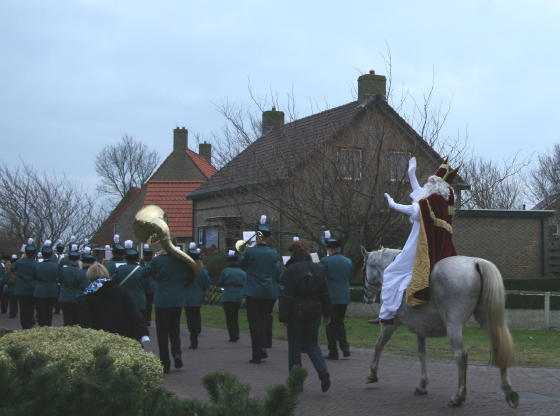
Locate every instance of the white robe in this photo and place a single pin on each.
(399, 273)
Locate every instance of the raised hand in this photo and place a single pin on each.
(390, 200)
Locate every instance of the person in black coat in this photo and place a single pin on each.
(108, 307)
(303, 300)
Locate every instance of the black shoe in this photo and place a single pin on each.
(194, 342)
(233, 339)
(178, 362)
(325, 381)
(255, 361)
(374, 321)
(166, 368)
(264, 354)
(331, 357)
(387, 321)
(346, 353)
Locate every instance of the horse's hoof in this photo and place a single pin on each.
(420, 392)
(372, 379)
(512, 398)
(456, 401)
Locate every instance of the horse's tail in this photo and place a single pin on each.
(492, 308)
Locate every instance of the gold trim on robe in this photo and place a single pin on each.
(421, 273)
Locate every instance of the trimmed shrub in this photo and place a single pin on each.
(75, 371)
(518, 301)
(533, 285)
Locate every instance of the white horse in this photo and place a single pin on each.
(459, 287)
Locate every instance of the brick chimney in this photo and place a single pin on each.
(180, 140)
(205, 150)
(370, 85)
(271, 119)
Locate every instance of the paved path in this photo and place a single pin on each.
(539, 388)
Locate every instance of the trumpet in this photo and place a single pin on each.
(241, 245)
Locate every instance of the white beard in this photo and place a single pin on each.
(440, 187)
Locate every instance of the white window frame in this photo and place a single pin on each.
(397, 173)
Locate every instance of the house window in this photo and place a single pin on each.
(349, 163)
(116, 228)
(398, 163)
(201, 236)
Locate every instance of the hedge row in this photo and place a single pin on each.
(551, 284)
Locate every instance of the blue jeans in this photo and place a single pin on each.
(302, 337)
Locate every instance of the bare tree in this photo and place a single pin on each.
(44, 206)
(124, 165)
(493, 186)
(544, 182)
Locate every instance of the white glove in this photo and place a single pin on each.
(145, 338)
(390, 200)
(412, 165)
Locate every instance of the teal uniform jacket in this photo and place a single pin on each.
(135, 285)
(70, 284)
(233, 280)
(194, 294)
(339, 272)
(7, 285)
(113, 265)
(151, 284)
(63, 261)
(83, 281)
(26, 270)
(261, 265)
(171, 276)
(46, 279)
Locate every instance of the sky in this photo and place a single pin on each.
(77, 75)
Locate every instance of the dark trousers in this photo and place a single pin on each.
(70, 313)
(4, 301)
(194, 320)
(168, 331)
(26, 311)
(231, 310)
(149, 304)
(302, 338)
(268, 328)
(12, 305)
(44, 308)
(336, 331)
(259, 316)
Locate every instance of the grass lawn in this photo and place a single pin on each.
(532, 348)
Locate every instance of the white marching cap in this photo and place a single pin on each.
(47, 243)
(86, 240)
(14, 256)
(107, 247)
(73, 247)
(327, 234)
(72, 238)
(128, 244)
(87, 250)
(146, 246)
(58, 242)
(192, 245)
(231, 253)
(40, 255)
(262, 220)
(295, 238)
(29, 241)
(116, 238)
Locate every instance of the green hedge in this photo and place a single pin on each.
(549, 284)
(74, 371)
(517, 301)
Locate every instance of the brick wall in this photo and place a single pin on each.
(513, 240)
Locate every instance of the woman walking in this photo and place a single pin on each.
(304, 299)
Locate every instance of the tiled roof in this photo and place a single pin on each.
(202, 164)
(284, 148)
(170, 196)
(547, 203)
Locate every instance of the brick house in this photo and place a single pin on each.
(179, 174)
(328, 170)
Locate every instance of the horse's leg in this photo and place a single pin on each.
(421, 389)
(455, 335)
(386, 334)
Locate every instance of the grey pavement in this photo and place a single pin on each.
(539, 388)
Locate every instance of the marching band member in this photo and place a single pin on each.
(24, 272)
(194, 296)
(339, 273)
(70, 284)
(118, 256)
(46, 287)
(147, 256)
(233, 280)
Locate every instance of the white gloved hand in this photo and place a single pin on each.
(412, 165)
(145, 338)
(390, 200)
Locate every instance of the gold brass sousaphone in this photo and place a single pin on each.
(151, 221)
(241, 245)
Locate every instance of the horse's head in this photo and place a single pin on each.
(374, 263)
